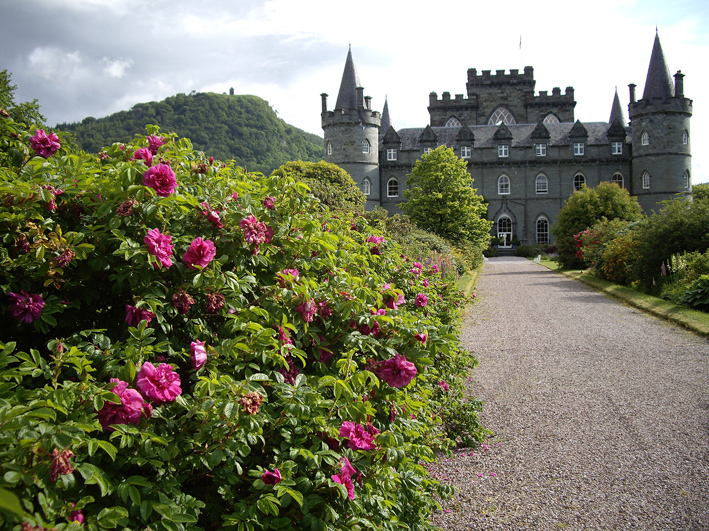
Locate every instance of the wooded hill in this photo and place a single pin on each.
(244, 128)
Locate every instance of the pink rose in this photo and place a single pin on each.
(127, 412)
(198, 354)
(271, 478)
(345, 477)
(421, 337)
(287, 276)
(444, 385)
(360, 438)
(212, 215)
(154, 143)
(76, 516)
(159, 246)
(255, 231)
(161, 178)
(135, 315)
(143, 154)
(26, 307)
(200, 253)
(421, 300)
(307, 310)
(376, 239)
(45, 145)
(269, 202)
(159, 384)
(61, 464)
(396, 371)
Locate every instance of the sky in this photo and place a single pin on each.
(82, 58)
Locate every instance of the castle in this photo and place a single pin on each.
(525, 151)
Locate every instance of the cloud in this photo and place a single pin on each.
(52, 63)
(116, 68)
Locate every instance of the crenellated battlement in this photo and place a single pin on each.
(660, 105)
(487, 78)
(544, 99)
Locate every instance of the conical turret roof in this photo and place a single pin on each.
(617, 110)
(386, 121)
(347, 97)
(659, 82)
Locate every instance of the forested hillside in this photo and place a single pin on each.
(244, 128)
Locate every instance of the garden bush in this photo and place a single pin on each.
(529, 251)
(189, 346)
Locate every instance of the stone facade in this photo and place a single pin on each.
(526, 152)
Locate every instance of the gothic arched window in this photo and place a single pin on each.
(646, 180)
(543, 230)
(645, 139)
(393, 187)
(503, 185)
(453, 122)
(328, 148)
(366, 186)
(551, 118)
(685, 137)
(501, 116)
(687, 180)
(365, 146)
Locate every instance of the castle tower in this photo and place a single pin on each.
(351, 134)
(662, 158)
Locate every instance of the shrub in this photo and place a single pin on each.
(529, 251)
(698, 294)
(198, 347)
(618, 258)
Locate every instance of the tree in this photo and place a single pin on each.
(584, 209)
(700, 191)
(328, 182)
(27, 112)
(441, 199)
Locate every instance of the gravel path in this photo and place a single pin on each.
(600, 413)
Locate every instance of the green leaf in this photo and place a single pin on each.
(11, 503)
(112, 517)
(93, 475)
(109, 449)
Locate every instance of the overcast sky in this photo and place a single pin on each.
(84, 58)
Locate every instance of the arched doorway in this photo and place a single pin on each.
(504, 232)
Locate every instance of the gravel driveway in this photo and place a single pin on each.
(600, 413)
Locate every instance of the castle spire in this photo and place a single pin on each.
(617, 111)
(658, 83)
(386, 121)
(347, 97)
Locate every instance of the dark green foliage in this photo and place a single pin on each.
(441, 199)
(243, 128)
(332, 185)
(698, 294)
(586, 207)
(529, 251)
(26, 113)
(700, 192)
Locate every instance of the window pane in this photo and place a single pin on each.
(542, 184)
(579, 181)
(542, 231)
(453, 122)
(501, 116)
(393, 188)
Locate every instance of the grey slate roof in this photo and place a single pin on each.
(347, 97)
(521, 135)
(386, 121)
(617, 111)
(658, 83)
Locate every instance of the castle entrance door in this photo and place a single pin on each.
(504, 232)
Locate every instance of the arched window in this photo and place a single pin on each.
(453, 122)
(646, 180)
(542, 184)
(503, 185)
(685, 137)
(579, 181)
(551, 118)
(365, 146)
(687, 180)
(501, 116)
(392, 188)
(504, 231)
(645, 139)
(328, 148)
(617, 179)
(366, 186)
(543, 230)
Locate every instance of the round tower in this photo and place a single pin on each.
(662, 158)
(351, 134)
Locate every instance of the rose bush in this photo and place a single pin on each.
(241, 387)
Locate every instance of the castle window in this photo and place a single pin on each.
(578, 149)
(329, 148)
(617, 179)
(426, 151)
(551, 118)
(501, 116)
(540, 150)
(542, 184)
(393, 188)
(453, 122)
(504, 231)
(366, 186)
(503, 150)
(645, 139)
(646, 180)
(391, 154)
(465, 152)
(579, 181)
(543, 230)
(365, 146)
(687, 180)
(503, 185)
(685, 137)
(617, 148)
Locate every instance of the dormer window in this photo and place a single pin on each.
(645, 139)
(578, 149)
(503, 150)
(427, 151)
(466, 152)
(540, 150)
(365, 146)
(617, 148)
(391, 154)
